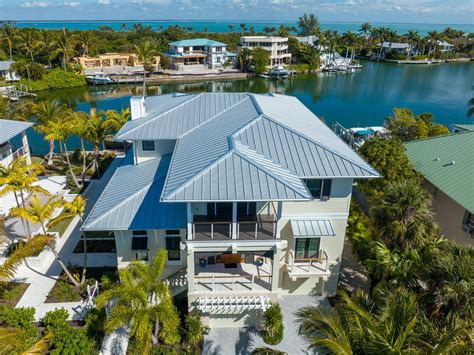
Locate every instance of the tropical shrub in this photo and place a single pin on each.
(272, 328)
(28, 70)
(23, 319)
(95, 324)
(55, 79)
(70, 340)
(260, 58)
(55, 320)
(194, 329)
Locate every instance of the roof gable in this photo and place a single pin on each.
(10, 129)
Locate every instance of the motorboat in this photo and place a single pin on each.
(99, 79)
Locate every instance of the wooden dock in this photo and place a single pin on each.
(13, 93)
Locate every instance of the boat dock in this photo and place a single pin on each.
(13, 93)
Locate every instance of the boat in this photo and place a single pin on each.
(356, 137)
(277, 73)
(99, 79)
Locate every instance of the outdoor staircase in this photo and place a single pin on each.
(177, 282)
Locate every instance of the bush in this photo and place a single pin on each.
(55, 320)
(69, 340)
(28, 70)
(272, 329)
(55, 79)
(267, 351)
(23, 319)
(194, 329)
(95, 324)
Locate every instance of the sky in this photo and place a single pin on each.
(390, 11)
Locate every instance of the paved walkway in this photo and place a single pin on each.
(240, 341)
(42, 279)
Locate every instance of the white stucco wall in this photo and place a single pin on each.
(162, 147)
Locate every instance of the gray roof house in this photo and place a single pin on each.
(249, 193)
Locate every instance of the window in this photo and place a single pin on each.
(173, 247)
(148, 145)
(307, 248)
(139, 240)
(319, 189)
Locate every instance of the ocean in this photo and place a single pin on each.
(225, 26)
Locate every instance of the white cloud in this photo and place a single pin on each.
(104, 2)
(35, 4)
(71, 4)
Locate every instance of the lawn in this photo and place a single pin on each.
(61, 226)
(64, 291)
(11, 293)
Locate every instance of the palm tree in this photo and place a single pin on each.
(243, 28)
(28, 43)
(364, 29)
(18, 178)
(72, 209)
(8, 35)
(412, 38)
(350, 39)
(470, 111)
(311, 55)
(116, 120)
(47, 43)
(40, 213)
(244, 59)
(143, 302)
(146, 53)
(308, 25)
(21, 252)
(433, 38)
(360, 325)
(96, 131)
(49, 115)
(64, 43)
(403, 216)
(84, 38)
(77, 123)
(11, 339)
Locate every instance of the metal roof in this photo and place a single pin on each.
(395, 45)
(6, 64)
(10, 129)
(198, 42)
(464, 127)
(130, 200)
(448, 163)
(312, 228)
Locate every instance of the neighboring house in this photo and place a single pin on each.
(250, 195)
(311, 40)
(6, 71)
(443, 46)
(112, 60)
(276, 46)
(390, 48)
(447, 164)
(13, 144)
(203, 52)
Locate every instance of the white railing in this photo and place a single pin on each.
(231, 283)
(310, 265)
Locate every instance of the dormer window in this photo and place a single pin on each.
(148, 145)
(320, 189)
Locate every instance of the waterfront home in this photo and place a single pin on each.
(390, 49)
(112, 60)
(199, 53)
(443, 46)
(248, 193)
(276, 46)
(13, 145)
(311, 40)
(456, 128)
(446, 164)
(6, 71)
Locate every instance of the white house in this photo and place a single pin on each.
(13, 144)
(250, 195)
(203, 52)
(6, 71)
(276, 46)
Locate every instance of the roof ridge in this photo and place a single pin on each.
(323, 146)
(161, 114)
(258, 166)
(437, 137)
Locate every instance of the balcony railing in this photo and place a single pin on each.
(308, 266)
(262, 227)
(232, 283)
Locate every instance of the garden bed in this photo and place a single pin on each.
(96, 246)
(11, 293)
(64, 291)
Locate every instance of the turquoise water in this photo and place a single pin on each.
(223, 26)
(364, 98)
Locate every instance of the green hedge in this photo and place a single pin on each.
(55, 79)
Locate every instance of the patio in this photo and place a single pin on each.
(242, 341)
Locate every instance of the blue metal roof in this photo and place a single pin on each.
(198, 42)
(10, 129)
(130, 200)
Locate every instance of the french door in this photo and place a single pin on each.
(307, 248)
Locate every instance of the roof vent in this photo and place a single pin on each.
(453, 162)
(437, 159)
(271, 94)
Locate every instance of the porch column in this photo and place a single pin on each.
(278, 226)
(276, 268)
(234, 220)
(190, 269)
(189, 216)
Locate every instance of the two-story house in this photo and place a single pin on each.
(200, 52)
(249, 194)
(277, 48)
(13, 145)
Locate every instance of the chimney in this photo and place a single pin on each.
(137, 107)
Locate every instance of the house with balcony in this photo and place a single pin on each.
(248, 193)
(13, 145)
(276, 46)
(199, 53)
(447, 165)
